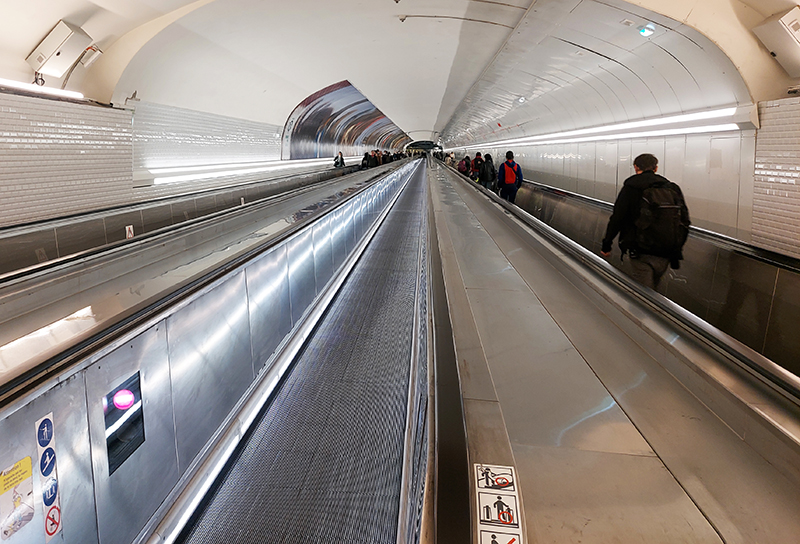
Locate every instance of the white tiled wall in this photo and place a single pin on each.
(715, 172)
(60, 158)
(168, 136)
(776, 199)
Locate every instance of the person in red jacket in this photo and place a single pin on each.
(509, 178)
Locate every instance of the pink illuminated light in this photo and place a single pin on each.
(124, 399)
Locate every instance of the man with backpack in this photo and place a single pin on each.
(509, 178)
(652, 220)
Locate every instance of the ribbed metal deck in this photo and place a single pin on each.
(324, 463)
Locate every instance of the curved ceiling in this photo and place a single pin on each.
(415, 60)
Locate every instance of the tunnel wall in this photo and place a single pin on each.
(715, 172)
(61, 158)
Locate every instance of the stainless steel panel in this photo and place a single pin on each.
(67, 401)
(349, 227)
(127, 498)
(783, 340)
(210, 362)
(339, 225)
(205, 205)
(183, 211)
(81, 236)
(116, 223)
(691, 285)
(302, 284)
(156, 217)
(741, 298)
(269, 306)
(27, 250)
(323, 252)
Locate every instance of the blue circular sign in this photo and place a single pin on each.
(48, 462)
(50, 491)
(45, 432)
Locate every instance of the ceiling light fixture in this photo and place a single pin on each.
(648, 30)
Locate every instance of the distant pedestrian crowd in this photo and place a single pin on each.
(504, 180)
(376, 157)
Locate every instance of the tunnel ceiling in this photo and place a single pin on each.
(415, 60)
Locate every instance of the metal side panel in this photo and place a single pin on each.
(302, 286)
(323, 252)
(269, 306)
(339, 238)
(127, 498)
(18, 442)
(349, 226)
(210, 362)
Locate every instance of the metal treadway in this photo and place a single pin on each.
(324, 463)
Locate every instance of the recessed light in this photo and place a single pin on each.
(648, 30)
(521, 99)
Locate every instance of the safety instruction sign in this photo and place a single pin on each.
(48, 476)
(16, 497)
(499, 517)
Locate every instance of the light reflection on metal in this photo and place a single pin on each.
(122, 420)
(40, 340)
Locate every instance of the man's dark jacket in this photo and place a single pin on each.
(626, 212)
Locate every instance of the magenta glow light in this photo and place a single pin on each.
(124, 399)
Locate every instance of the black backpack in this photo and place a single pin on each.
(662, 226)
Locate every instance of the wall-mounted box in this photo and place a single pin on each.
(781, 35)
(59, 50)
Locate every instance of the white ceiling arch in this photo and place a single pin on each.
(416, 60)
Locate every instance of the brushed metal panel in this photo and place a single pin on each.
(302, 284)
(156, 217)
(77, 237)
(783, 342)
(741, 298)
(183, 211)
(674, 157)
(67, 401)
(587, 174)
(27, 250)
(349, 227)
(606, 182)
(116, 223)
(339, 223)
(205, 205)
(323, 252)
(695, 176)
(723, 183)
(692, 283)
(210, 362)
(269, 306)
(127, 499)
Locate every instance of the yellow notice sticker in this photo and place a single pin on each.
(15, 475)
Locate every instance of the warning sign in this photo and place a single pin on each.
(499, 537)
(16, 497)
(499, 516)
(498, 509)
(495, 477)
(53, 521)
(48, 475)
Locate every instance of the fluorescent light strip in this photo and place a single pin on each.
(283, 165)
(685, 118)
(39, 89)
(626, 136)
